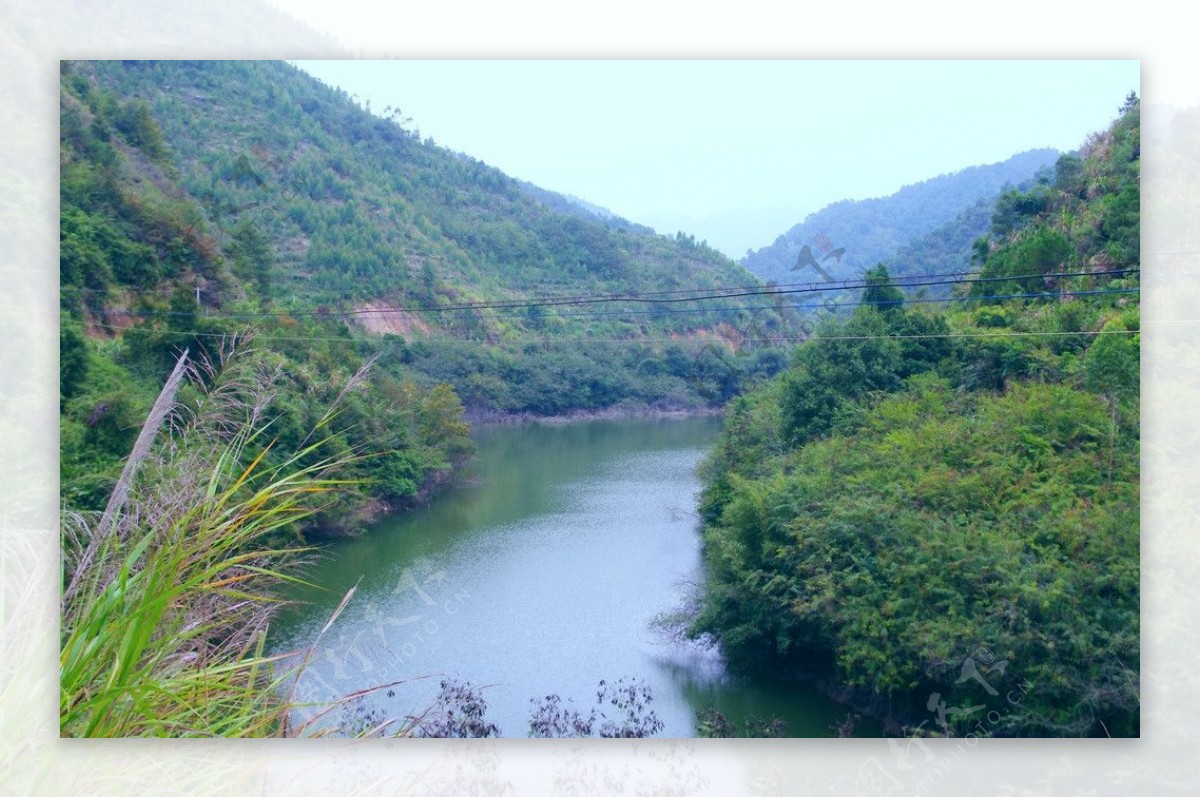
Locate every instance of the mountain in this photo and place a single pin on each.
(871, 231)
(200, 200)
(948, 247)
(398, 236)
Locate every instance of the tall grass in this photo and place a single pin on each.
(167, 596)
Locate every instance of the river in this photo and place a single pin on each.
(539, 574)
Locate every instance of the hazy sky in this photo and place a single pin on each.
(738, 151)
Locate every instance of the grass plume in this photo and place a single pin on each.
(167, 597)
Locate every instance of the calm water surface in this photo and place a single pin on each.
(540, 575)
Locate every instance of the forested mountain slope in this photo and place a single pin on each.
(204, 199)
(871, 231)
(947, 249)
(357, 207)
(936, 513)
(136, 250)
(362, 217)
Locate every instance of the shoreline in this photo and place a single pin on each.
(497, 419)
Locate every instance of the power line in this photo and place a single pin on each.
(1005, 334)
(767, 284)
(512, 312)
(634, 341)
(656, 298)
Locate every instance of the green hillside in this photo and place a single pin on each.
(359, 208)
(936, 513)
(206, 199)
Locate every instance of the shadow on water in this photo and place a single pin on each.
(701, 678)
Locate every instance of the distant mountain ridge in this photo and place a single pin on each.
(872, 231)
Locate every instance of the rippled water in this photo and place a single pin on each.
(539, 576)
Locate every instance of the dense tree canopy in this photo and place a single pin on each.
(940, 511)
